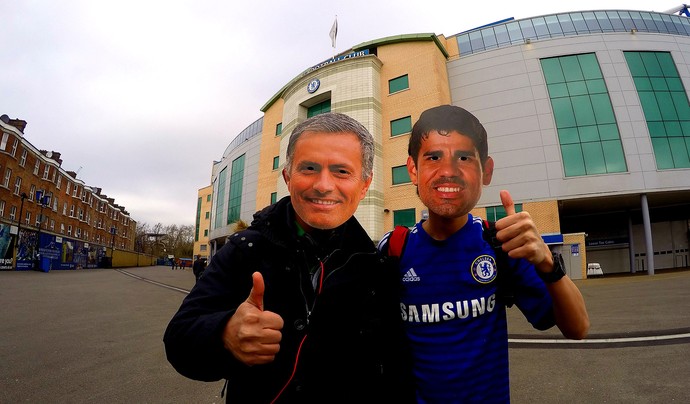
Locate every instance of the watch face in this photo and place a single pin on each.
(313, 86)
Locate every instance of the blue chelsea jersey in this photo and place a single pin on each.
(456, 327)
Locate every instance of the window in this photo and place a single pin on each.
(14, 147)
(401, 175)
(32, 192)
(69, 230)
(276, 162)
(665, 106)
(13, 213)
(208, 198)
(494, 213)
(404, 217)
(279, 129)
(75, 188)
(37, 166)
(17, 185)
(274, 197)
(62, 228)
(67, 188)
(2, 208)
(6, 180)
(208, 214)
(205, 232)
(59, 179)
(3, 142)
(398, 84)
(235, 198)
(400, 126)
(52, 224)
(585, 122)
(27, 218)
(46, 171)
(71, 211)
(22, 159)
(319, 108)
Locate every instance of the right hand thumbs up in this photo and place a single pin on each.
(252, 334)
(256, 295)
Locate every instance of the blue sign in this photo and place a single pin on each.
(313, 86)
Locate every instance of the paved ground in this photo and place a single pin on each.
(96, 336)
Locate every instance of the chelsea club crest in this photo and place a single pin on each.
(313, 86)
(484, 269)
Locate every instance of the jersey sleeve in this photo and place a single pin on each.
(531, 296)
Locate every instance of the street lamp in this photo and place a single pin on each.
(43, 200)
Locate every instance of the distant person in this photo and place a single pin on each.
(172, 263)
(451, 303)
(199, 266)
(300, 307)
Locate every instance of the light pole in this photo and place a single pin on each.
(19, 228)
(43, 201)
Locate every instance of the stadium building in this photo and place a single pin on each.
(587, 115)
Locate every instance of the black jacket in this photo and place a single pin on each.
(354, 350)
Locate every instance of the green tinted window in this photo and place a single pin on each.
(274, 197)
(398, 84)
(279, 129)
(494, 213)
(220, 197)
(665, 106)
(400, 126)
(584, 115)
(276, 162)
(404, 217)
(400, 175)
(235, 199)
(319, 108)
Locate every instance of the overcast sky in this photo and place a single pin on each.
(140, 97)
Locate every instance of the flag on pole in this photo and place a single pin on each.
(334, 32)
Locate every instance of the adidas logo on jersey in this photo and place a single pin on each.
(411, 276)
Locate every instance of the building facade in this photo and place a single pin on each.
(587, 115)
(50, 219)
(203, 222)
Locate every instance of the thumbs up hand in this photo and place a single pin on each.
(520, 236)
(252, 334)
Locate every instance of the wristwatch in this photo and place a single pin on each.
(558, 270)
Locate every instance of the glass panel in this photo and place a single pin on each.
(571, 68)
(649, 22)
(400, 126)
(603, 110)
(489, 38)
(662, 153)
(685, 126)
(627, 21)
(660, 26)
(464, 44)
(577, 88)
(673, 128)
(558, 90)
(589, 133)
(674, 84)
(608, 132)
(514, 32)
(596, 86)
(614, 156)
(604, 22)
(404, 217)
(540, 27)
(594, 158)
(637, 21)
(591, 21)
(398, 84)
(635, 63)
(668, 67)
(679, 152)
(568, 136)
(553, 73)
(502, 35)
(615, 20)
(643, 84)
(527, 29)
(401, 175)
(584, 114)
(658, 84)
(651, 64)
(665, 103)
(573, 162)
(476, 41)
(656, 129)
(566, 24)
(553, 25)
(680, 102)
(590, 66)
(669, 24)
(563, 112)
(649, 106)
(579, 23)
